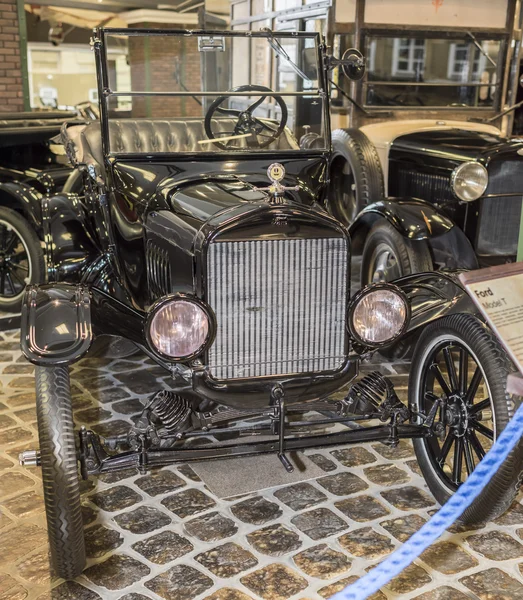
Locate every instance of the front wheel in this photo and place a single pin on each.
(21, 259)
(60, 471)
(459, 362)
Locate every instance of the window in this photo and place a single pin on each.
(408, 57)
(461, 58)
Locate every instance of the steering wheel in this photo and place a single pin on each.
(246, 122)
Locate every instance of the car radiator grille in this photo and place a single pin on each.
(280, 306)
(158, 270)
(427, 186)
(498, 230)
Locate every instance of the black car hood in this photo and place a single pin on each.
(456, 145)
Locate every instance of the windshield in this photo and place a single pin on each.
(214, 92)
(432, 72)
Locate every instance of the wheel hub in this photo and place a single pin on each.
(457, 415)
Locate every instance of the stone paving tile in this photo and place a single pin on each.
(25, 505)
(323, 462)
(189, 502)
(159, 482)
(117, 572)
(386, 475)
(447, 557)
(354, 457)
(367, 543)
(35, 568)
(334, 588)
(163, 547)
(143, 520)
(256, 511)
(300, 496)
(322, 562)
(275, 582)
(493, 584)
(513, 516)
(443, 593)
(274, 540)
(71, 590)
(227, 560)
(181, 582)
(211, 527)
(496, 545)
(342, 484)
(408, 498)
(403, 450)
(228, 594)
(412, 578)
(99, 540)
(16, 543)
(116, 498)
(362, 508)
(319, 523)
(403, 527)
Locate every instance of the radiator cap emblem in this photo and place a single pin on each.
(276, 172)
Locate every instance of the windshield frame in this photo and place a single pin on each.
(371, 32)
(105, 93)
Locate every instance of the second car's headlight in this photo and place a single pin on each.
(379, 314)
(469, 181)
(179, 328)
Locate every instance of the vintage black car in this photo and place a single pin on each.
(202, 239)
(424, 169)
(32, 168)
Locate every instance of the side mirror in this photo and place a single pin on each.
(352, 64)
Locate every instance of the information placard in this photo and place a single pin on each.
(498, 293)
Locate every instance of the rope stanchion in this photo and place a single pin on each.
(466, 494)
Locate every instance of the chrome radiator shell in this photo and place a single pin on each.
(280, 306)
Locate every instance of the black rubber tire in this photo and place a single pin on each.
(412, 257)
(60, 471)
(355, 164)
(500, 492)
(35, 254)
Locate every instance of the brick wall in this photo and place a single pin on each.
(11, 91)
(170, 58)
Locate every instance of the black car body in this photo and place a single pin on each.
(220, 262)
(32, 168)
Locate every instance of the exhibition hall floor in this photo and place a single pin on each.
(167, 536)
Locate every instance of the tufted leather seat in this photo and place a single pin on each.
(145, 136)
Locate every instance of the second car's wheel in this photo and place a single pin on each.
(387, 255)
(60, 471)
(355, 174)
(21, 259)
(461, 364)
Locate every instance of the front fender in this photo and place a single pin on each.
(418, 220)
(434, 295)
(23, 198)
(56, 323)
(414, 219)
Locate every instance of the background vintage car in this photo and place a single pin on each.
(424, 168)
(32, 168)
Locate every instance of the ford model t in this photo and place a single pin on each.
(424, 168)
(202, 239)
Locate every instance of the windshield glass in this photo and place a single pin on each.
(220, 92)
(432, 72)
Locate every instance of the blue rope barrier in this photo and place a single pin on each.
(466, 494)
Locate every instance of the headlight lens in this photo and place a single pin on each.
(179, 329)
(379, 315)
(469, 181)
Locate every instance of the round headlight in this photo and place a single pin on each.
(469, 181)
(179, 328)
(379, 314)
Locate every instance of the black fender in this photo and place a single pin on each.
(59, 322)
(56, 323)
(434, 295)
(70, 242)
(418, 220)
(24, 199)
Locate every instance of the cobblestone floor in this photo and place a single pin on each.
(165, 536)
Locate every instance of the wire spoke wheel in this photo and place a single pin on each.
(460, 365)
(455, 380)
(15, 261)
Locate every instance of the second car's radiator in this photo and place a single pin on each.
(280, 306)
